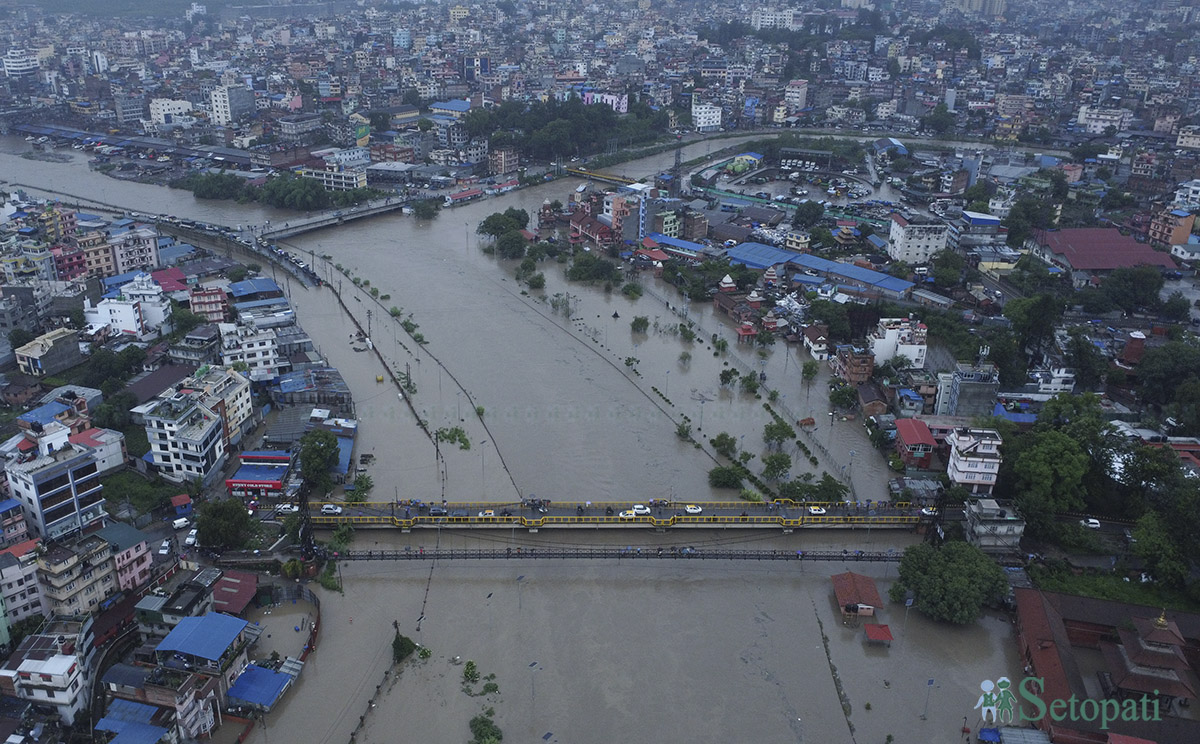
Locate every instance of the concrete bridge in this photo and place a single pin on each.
(299, 226)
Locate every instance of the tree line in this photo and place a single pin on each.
(285, 192)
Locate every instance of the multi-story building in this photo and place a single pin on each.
(256, 348)
(1096, 120)
(97, 254)
(20, 63)
(994, 526)
(191, 696)
(969, 390)
(503, 160)
(141, 309)
(976, 230)
(58, 486)
(76, 577)
(13, 529)
(1188, 137)
(165, 110)
(974, 459)
(134, 249)
(336, 177)
(299, 128)
(1171, 227)
(1187, 196)
(131, 554)
(202, 345)
(852, 364)
(210, 302)
(230, 104)
(19, 585)
(50, 353)
(52, 668)
(213, 644)
(915, 242)
(706, 117)
(228, 393)
(796, 96)
(894, 337)
(186, 437)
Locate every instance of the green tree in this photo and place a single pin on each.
(427, 209)
(833, 316)
(518, 217)
(844, 396)
(1087, 361)
(318, 454)
(1049, 474)
(940, 121)
(725, 477)
(363, 485)
(18, 337)
(497, 224)
(1176, 307)
(511, 245)
(777, 432)
(1164, 367)
(639, 324)
(808, 373)
(224, 524)
(185, 321)
(236, 274)
(1034, 320)
(776, 465)
(951, 584)
(1132, 289)
(749, 384)
(727, 376)
(725, 444)
(808, 213)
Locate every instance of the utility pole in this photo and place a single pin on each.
(368, 322)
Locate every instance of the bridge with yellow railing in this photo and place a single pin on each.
(598, 176)
(785, 515)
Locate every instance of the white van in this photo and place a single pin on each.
(182, 523)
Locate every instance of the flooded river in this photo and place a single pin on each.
(582, 652)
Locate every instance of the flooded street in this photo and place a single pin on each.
(582, 652)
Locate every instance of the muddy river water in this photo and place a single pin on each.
(602, 652)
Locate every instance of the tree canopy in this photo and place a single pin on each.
(318, 454)
(224, 524)
(951, 583)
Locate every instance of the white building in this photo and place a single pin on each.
(134, 249)
(1095, 120)
(1188, 137)
(761, 18)
(229, 392)
(231, 103)
(974, 459)
(795, 96)
(166, 110)
(1187, 196)
(142, 310)
(706, 117)
(894, 337)
(52, 668)
(58, 486)
(257, 348)
(186, 436)
(19, 585)
(915, 242)
(20, 63)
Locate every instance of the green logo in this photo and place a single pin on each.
(1001, 703)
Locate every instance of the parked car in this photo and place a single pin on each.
(165, 548)
(816, 511)
(331, 510)
(437, 511)
(693, 509)
(1091, 523)
(192, 537)
(287, 509)
(641, 510)
(627, 515)
(929, 511)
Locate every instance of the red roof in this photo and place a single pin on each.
(88, 437)
(171, 280)
(21, 548)
(899, 219)
(1102, 249)
(234, 591)
(877, 632)
(914, 431)
(653, 254)
(852, 588)
(181, 500)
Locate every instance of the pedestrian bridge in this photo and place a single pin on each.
(292, 228)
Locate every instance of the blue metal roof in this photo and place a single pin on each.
(452, 105)
(44, 414)
(260, 473)
(120, 280)
(259, 686)
(253, 286)
(877, 242)
(206, 637)
(269, 302)
(345, 447)
(854, 273)
(1017, 418)
(8, 505)
(676, 242)
(759, 256)
(130, 721)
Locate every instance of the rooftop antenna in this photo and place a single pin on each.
(983, 353)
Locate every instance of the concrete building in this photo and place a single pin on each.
(894, 337)
(186, 436)
(228, 393)
(50, 353)
(852, 364)
(165, 110)
(336, 177)
(254, 347)
(58, 486)
(52, 668)
(141, 310)
(23, 597)
(202, 345)
(706, 117)
(231, 104)
(994, 526)
(971, 390)
(76, 577)
(1095, 120)
(974, 459)
(13, 530)
(915, 242)
(1188, 137)
(213, 644)
(131, 554)
(19, 63)
(795, 96)
(210, 302)
(1171, 227)
(134, 249)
